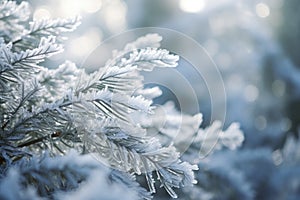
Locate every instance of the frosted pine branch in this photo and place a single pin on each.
(43, 28)
(42, 177)
(149, 58)
(55, 81)
(121, 80)
(213, 137)
(143, 155)
(10, 9)
(149, 40)
(130, 181)
(30, 58)
(19, 65)
(12, 17)
(56, 26)
(145, 54)
(108, 114)
(149, 93)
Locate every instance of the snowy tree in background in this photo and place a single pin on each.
(66, 134)
(261, 78)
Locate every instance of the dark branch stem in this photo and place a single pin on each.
(31, 142)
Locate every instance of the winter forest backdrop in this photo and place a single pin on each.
(255, 46)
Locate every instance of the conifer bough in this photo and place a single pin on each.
(56, 124)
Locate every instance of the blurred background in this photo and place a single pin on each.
(255, 45)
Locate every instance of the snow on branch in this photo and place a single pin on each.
(148, 58)
(130, 153)
(119, 80)
(57, 177)
(12, 10)
(144, 53)
(108, 114)
(19, 65)
(213, 137)
(12, 18)
(30, 58)
(115, 105)
(43, 28)
(56, 26)
(150, 40)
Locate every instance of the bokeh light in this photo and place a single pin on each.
(84, 44)
(41, 13)
(114, 15)
(262, 10)
(277, 157)
(251, 93)
(77, 7)
(191, 6)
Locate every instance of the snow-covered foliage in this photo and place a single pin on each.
(67, 134)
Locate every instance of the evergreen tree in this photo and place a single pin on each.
(57, 124)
